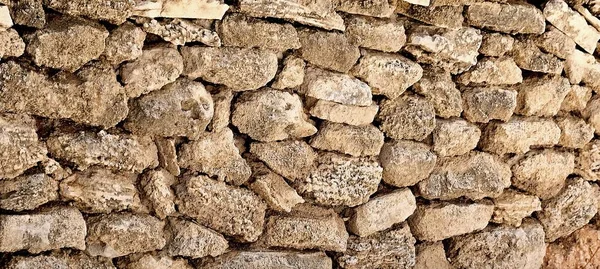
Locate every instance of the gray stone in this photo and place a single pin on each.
(114, 11)
(377, 8)
(496, 44)
(528, 56)
(194, 241)
(441, 16)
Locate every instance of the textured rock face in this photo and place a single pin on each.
(541, 96)
(197, 9)
(588, 161)
(115, 11)
(575, 132)
(160, 261)
(318, 13)
(352, 140)
(454, 137)
(407, 117)
(241, 31)
(377, 34)
(439, 221)
(555, 42)
(340, 113)
(27, 192)
(192, 240)
(382, 212)
(292, 74)
(574, 251)
(336, 87)
(28, 12)
(19, 145)
(529, 57)
(518, 135)
(156, 186)
(124, 44)
(442, 16)
(11, 44)
(405, 162)
(431, 255)
(439, 89)
(506, 18)
(496, 44)
(543, 173)
(576, 99)
(512, 207)
(493, 71)
(339, 55)
(378, 8)
(149, 72)
(490, 103)
(181, 31)
(292, 159)
(574, 25)
(269, 260)
(275, 191)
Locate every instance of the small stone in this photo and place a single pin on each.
(233, 211)
(181, 31)
(293, 159)
(559, 14)
(493, 71)
(306, 227)
(588, 161)
(114, 11)
(389, 249)
(181, 108)
(27, 192)
(575, 251)
(125, 43)
(476, 175)
(518, 135)
(319, 13)
(556, 42)
(575, 132)
(583, 67)
(439, 89)
(454, 137)
(255, 259)
(156, 186)
(511, 207)
(5, 19)
(496, 44)
(543, 173)
(292, 74)
(357, 141)
(592, 113)
(378, 34)
(406, 162)
(528, 56)
(167, 155)
(500, 247)
(97, 190)
(275, 191)
(215, 155)
(60, 259)
(222, 103)
(577, 99)
(377, 8)
(19, 145)
(570, 210)
(29, 13)
(348, 114)
(47, 229)
(120, 234)
(194, 241)
(11, 44)
(336, 87)
(518, 18)
(192, 9)
(147, 261)
(237, 30)
(382, 212)
(482, 104)
(407, 117)
(271, 115)
(441, 220)
(431, 255)
(67, 43)
(328, 50)
(441, 16)
(387, 74)
(155, 68)
(340, 180)
(541, 96)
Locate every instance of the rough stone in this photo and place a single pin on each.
(528, 56)
(556, 42)
(319, 13)
(149, 260)
(156, 186)
(293, 159)
(275, 191)
(482, 104)
(192, 240)
(592, 113)
(407, 117)
(518, 135)
(511, 207)
(348, 114)
(496, 44)
(441, 16)
(59, 259)
(377, 8)
(575, 251)
(336, 87)
(357, 141)
(378, 34)
(167, 155)
(454, 137)
(181, 31)
(28, 12)
(543, 173)
(541, 96)
(559, 14)
(155, 68)
(114, 11)
(5, 19)
(222, 104)
(328, 50)
(292, 74)
(255, 259)
(382, 212)
(577, 99)
(19, 145)
(517, 18)
(27, 192)
(583, 67)
(439, 89)
(124, 43)
(193, 9)
(11, 44)
(575, 132)
(493, 71)
(588, 161)
(237, 30)
(406, 162)
(431, 255)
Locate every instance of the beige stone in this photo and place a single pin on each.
(124, 43)
(559, 14)
(328, 50)
(575, 251)
(592, 113)
(382, 212)
(543, 173)
(439, 89)
(181, 31)
(528, 56)
(292, 74)
(406, 162)
(167, 155)
(319, 13)
(28, 12)
(27, 192)
(511, 207)
(115, 11)
(556, 42)
(60, 259)
(431, 255)
(407, 117)
(496, 44)
(336, 87)
(493, 71)
(19, 145)
(155, 68)
(237, 30)
(541, 96)
(256, 259)
(5, 19)
(455, 137)
(582, 67)
(575, 132)
(348, 114)
(441, 16)
(378, 34)
(517, 18)
(482, 104)
(588, 161)
(275, 191)
(357, 141)
(193, 9)
(293, 159)
(154, 261)
(156, 187)
(222, 103)
(518, 135)
(11, 44)
(576, 99)
(377, 8)
(194, 241)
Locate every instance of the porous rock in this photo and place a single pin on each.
(431, 255)
(320, 13)
(511, 207)
(406, 162)
(592, 113)
(328, 50)
(156, 67)
(114, 11)
(192, 240)
(181, 31)
(439, 89)
(292, 74)
(519, 134)
(441, 16)
(60, 259)
(377, 8)
(156, 187)
(19, 145)
(348, 114)
(541, 96)
(11, 44)
(27, 192)
(257, 259)
(167, 155)
(124, 43)
(575, 132)
(275, 191)
(588, 161)
(28, 12)
(528, 56)
(573, 24)
(154, 261)
(293, 159)
(555, 42)
(517, 18)
(407, 117)
(482, 104)
(575, 251)
(378, 34)
(222, 106)
(336, 87)
(496, 44)
(193, 9)
(543, 173)
(237, 30)
(493, 71)
(576, 99)
(357, 141)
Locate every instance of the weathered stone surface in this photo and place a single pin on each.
(570, 210)
(592, 113)
(124, 43)
(575, 132)
(120, 234)
(51, 228)
(406, 162)
(541, 96)
(518, 135)
(254, 259)
(511, 207)
(559, 14)
(439, 89)
(154, 261)
(328, 50)
(348, 114)
(390, 249)
(576, 99)
(275, 191)
(454, 137)
(292, 74)
(318, 13)
(407, 117)
(306, 227)
(156, 67)
(482, 104)
(556, 42)
(575, 251)
(27, 192)
(181, 31)
(237, 68)
(517, 18)
(222, 104)
(440, 220)
(67, 43)
(233, 211)
(496, 44)
(5, 19)
(122, 152)
(377, 34)
(192, 240)
(543, 173)
(114, 11)
(493, 71)
(357, 141)
(11, 44)
(167, 155)
(92, 96)
(500, 247)
(431, 255)
(340, 180)
(237, 30)
(377, 8)
(28, 12)
(293, 159)
(59, 259)
(193, 9)
(583, 67)
(387, 74)
(528, 56)
(588, 161)
(475, 176)
(19, 145)
(156, 186)
(442, 16)
(382, 212)
(336, 87)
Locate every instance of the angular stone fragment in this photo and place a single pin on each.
(306, 227)
(19, 145)
(328, 50)
(377, 8)
(389, 249)
(583, 67)
(519, 134)
(407, 117)
(439, 89)
(517, 18)
(167, 155)
(233, 211)
(496, 44)
(588, 161)
(28, 12)
(377, 34)
(222, 103)
(156, 186)
(511, 207)
(431, 255)
(156, 67)
(11, 44)
(559, 14)
(476, 175)
(541, 96)
(500, 247)
(154, 261)
(293, 159)
(336, 87)
(592, 113)
(181, 31)
(454, 137)
(114, 11)
(387, 74)
(67, 43)
(5, 19)
(292, 74)
(60, 259)
(27, 192)
(575, 251)
(194, 241)
(482, 104)
(529, 57)
(319, 13)
(382, 212)
(494, 71)
(275, 191)
(192, 9)
(441, 16)
(120, 234)
(215, 155)
(556, 42)
(125, 43)
(254, 259)
(237, 30)
(352, 140)
(576, 99)
(570, 210)
(271, 115)
(406, 162)
(440, 220)
(575, 132)
(340, 180)
(348, 114)
(543, 173)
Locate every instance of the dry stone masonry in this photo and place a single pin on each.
(299, 134)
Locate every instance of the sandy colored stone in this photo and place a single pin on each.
(237, 30)
(155, 68)
(575, 251)
(193, 9)
(59, 259)
(275, 191)
(575, 132)
(541, 96)
(257, 259)
(357, 141)
(328, 50)
(559, 14)
(293, 159)
(406, 162)
(336, 87)
(27, 192)
(377, 8)
(114, 11)
(407, 117)
(592, 113)
(439, 89)
(5, 19)
(431, 255)
(496, 44)
(543, 173)
(181, 31)
(583, 67)
(222, 106)
(388, 249)
(556, 42)
(122, 152)
(517, 18)
(124, 43)
(215, 155)
(528, 56)
(348, 114)
(576, 99)
(19, 145)
(519, 134)
(67, 43)
(482, 104)
(511, 207)
(194, 241)
(292, 74)
(587, 162)
(382, 212)
(441, 16)
(28, 12)
(387, 74)
(319, 13)
(306, 227)
(493, 71)
(11, 44)
(167, 155)
(377, 34)
(454, 137)
(154, 261)
(156, 187)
